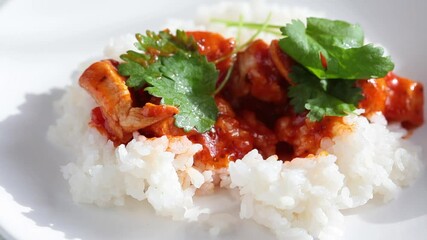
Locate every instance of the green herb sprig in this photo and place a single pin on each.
(332, 56)
(170, 67)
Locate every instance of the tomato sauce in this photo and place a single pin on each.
(404, 102)
(399, 99)
(216, 49)
(98, 121)
(375, 95)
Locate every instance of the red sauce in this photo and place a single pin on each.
(405, 101)
(232, 137)
(375, 94)
(256, 75)
(215, 47)
(226, 142)
(399, 99)
(98, 121)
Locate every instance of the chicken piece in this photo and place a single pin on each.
(102, 81)
(165, 127)
(282, 61)
(215, 47)
(405, 101)
(399, 99)
(149, 114)
(256, 74)
(374, 93)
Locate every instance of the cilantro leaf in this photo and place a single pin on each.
(164, 43)
(335, 33)
(135, 72)
(322, 97)
(187, 82)
(346, 90)
(305, 89)
(326, 105)
(151, 41)
(170, 67)
(152, 46)
(340, 44)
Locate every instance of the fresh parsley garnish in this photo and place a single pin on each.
(153, 46)
(170, 67)
(164, 43)
(341, 46)
(332, 56)
(187, 82)
(335, 56)
(329, 97)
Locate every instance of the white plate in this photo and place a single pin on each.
(41, 44)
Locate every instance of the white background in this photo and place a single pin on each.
(43, 42)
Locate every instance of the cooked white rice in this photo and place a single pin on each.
(300, 199)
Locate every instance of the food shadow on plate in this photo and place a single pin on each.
(30, 172)
(2, 4)
(409, 203)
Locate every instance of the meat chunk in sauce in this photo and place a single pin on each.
(227, 141)
(216, 48)
(282, 61)
(115, 111)
(255, 74)
(404, 102)
(375, 95)
(399, 99)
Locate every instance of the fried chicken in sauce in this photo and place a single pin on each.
(254, 110)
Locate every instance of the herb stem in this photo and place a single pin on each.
(238, 49)
(258, 32)
(251, 39)
(251, 25)
(227, 76)
(239, 29)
